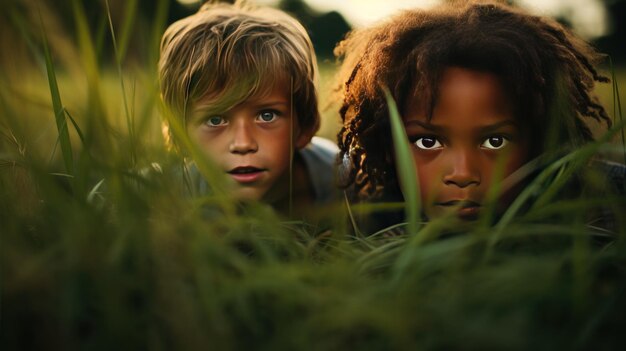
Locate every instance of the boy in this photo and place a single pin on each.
(241, 81)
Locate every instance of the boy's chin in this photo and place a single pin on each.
(247, 194)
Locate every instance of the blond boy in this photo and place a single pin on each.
(241, 81)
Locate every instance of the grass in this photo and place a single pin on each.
(95, 253)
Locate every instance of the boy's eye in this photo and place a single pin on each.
(494, 143)
(215, 121)
(267, 116)
(428, 143)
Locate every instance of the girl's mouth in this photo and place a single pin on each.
(246, 174)
(467, 209)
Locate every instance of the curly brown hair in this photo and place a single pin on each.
(548, 73)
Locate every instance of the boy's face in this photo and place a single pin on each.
(251, 142)
(471, 142)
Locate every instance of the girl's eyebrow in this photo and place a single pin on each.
(496, 126)
(424, 125)
(485, 129)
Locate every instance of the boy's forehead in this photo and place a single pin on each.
(278, 90)
(277, 87)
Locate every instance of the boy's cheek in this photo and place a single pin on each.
(303, 139)
(208, 145)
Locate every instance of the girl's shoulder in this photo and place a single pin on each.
(610, 175)
(606, 181)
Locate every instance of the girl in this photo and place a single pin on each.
(482, 88)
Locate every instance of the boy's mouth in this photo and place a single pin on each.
(467, 209)
(246, 174)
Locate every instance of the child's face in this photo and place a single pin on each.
(251, 142)
(472, 133)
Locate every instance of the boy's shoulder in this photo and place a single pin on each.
(318, 156)
(320, 159)
(320, 150)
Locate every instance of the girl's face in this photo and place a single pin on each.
(471, 142)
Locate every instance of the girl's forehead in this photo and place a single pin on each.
(464, 97)
(458, 86)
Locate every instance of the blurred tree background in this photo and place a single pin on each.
(325, 28)
(139, 24)
(613, 42)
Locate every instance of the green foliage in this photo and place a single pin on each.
(59, 111)
(99, 249)
(406, 167)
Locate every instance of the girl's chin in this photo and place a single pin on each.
(471, 213)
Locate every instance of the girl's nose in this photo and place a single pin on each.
(243, 140)
(462, 170)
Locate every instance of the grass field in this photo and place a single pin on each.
(95, 254)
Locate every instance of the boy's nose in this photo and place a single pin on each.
(243, 140)
(462, 171)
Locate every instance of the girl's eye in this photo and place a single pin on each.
(494, 143)
(267, 116)
(216, 121)
(428, 143)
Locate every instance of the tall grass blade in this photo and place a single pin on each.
(18, 21)
(617, 107)
(355, 227)
(405, 166)
(81, 136)
(130, 14)
(158, 27)
(57, 105)
(129, 118)
(86, 44)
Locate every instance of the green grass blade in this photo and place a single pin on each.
(355, 227)
(86, 44)
(158, 27)
(405, 166)
(129, 117)
(98, 121)
(18, 20)
(130, 12)
(57, 105)
(617, 106)
(81, 136)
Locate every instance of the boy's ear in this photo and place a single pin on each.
(303, 138)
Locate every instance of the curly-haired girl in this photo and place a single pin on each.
(483, 88)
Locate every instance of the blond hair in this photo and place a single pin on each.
(227, 53)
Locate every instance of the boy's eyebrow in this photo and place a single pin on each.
(208, 109)
(265, 104)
